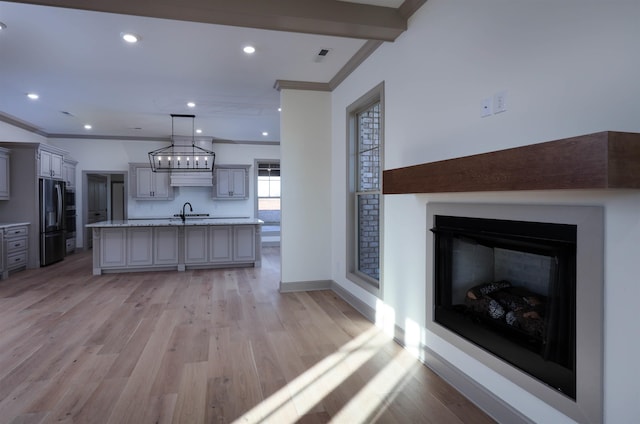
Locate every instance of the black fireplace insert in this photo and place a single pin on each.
(510, 288)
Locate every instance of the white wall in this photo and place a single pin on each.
(569, 68)
(305, 130)
(115, 155)
(14, 134)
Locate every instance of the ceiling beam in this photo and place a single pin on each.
(324, 17)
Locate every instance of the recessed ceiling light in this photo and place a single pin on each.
(130, 37)
(87, 127)
(2, 26)
(279, 109)
(33, 96)
(199, 131)
(191, 104)
(264, 133)
(249, 49)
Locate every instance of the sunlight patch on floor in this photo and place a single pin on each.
(308, 389)
(372, 399)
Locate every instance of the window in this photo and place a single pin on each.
(268, 200)
(364, 208)
(268, 180)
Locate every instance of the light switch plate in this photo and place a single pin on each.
(486, 107)
(500, 102)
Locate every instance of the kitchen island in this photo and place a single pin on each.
(171, 244)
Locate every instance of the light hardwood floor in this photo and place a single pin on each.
(202, 346)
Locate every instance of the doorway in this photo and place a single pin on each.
(104, 197)
(268, 200)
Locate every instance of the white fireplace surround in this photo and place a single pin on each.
(589, 301)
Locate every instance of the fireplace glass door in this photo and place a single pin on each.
(510, 288)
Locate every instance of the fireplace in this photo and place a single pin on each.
(509, 287)
(519, 287)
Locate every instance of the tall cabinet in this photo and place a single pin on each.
(51, 162)
(5, 174)
(29, 162)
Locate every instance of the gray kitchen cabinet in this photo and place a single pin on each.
(127, 246)
(149, 185)
(2, 261)
(140, 246)
(69, 173)
(244, 243)
(195, 245)
(4, 174)
(113, 248)
(231, 182)
(50, 163)
(15, 248)
(220, 244)
(165, 246)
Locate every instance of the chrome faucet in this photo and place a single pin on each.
(182, 215)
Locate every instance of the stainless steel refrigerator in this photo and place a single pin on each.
(52, 238)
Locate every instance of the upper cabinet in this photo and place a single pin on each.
(69, 173)
(51, 163)
(231, 182)
(149, 185)
(4, 174)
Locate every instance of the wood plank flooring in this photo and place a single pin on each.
(202, 346)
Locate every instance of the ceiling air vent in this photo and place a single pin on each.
(321, 55)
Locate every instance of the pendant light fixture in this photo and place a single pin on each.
(182, 157)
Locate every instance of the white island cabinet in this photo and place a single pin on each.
(165, 246)
(220, 244)
(195, 244)
(169, 244)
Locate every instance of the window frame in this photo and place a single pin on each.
(373, 96)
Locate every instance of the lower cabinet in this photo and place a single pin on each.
(130, 248)
(195, 245)
(220, 244)
(140, 246)
(166, 246)
(113, 247)
(244, 246)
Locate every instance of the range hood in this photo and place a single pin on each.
(191, 179)
(188, 178)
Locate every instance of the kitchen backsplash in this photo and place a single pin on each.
(200, 199)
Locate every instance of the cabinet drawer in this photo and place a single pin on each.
(16, 245)
(17, 231)
(16, 260)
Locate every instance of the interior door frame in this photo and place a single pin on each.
(84, 201)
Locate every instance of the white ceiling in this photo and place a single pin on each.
(86, 74)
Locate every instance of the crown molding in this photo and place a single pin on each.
(158, 139)
(106, 137)
(361, 55)
(409, 7)
(301, 85)
(11, 120)
(406, 10)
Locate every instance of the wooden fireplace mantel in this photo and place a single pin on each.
(595, 161)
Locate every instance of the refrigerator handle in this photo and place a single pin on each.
(43, 222)
(60, 211)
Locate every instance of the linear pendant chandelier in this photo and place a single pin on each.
(182, 158)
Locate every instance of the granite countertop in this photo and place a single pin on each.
(169, 222)
(13, 224)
